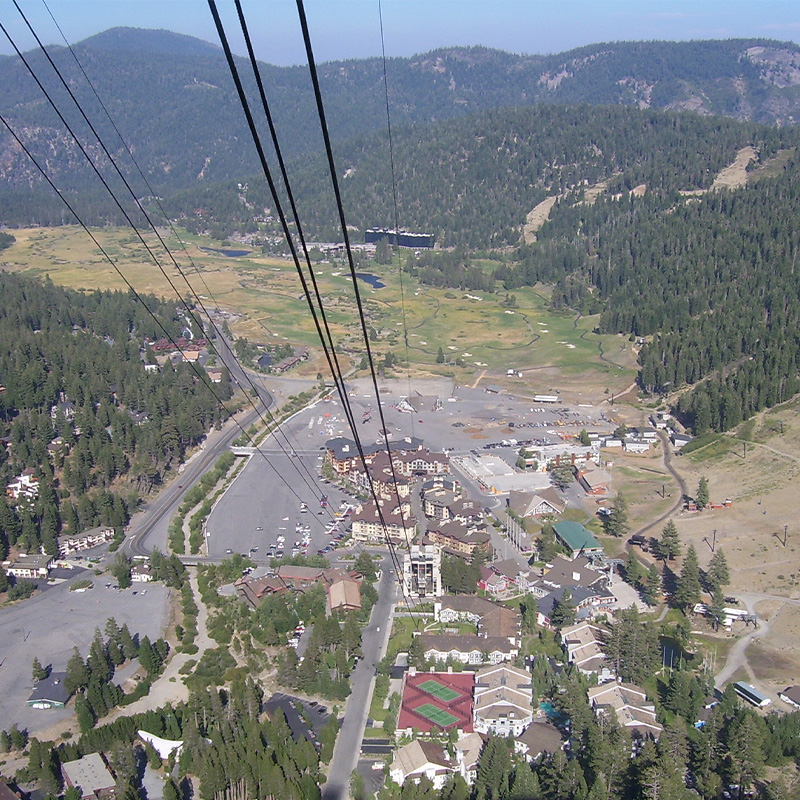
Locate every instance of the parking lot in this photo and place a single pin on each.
(48, 625)
(263, 507)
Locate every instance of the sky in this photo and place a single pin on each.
(342, 29)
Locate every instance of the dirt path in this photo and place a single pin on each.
(169, 687)
(666, 460)
(735, 175)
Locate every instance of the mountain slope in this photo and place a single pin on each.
(173, 99)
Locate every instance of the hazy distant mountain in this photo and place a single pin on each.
(173, 99)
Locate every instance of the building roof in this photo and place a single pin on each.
(464, 643)
(541, 737)
(344, 593)
(6, 793)
(90, 773)
(416, 755)
(575, 536)
(51, 688)
(793, 693)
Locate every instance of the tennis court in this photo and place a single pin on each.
(436, 715)
(440, 692)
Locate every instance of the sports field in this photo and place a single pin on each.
(443, 693)
(436, 715)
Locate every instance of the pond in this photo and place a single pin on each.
(226, 253)
(373, 280)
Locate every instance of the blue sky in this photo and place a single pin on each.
(350, 28)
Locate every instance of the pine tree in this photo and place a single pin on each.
(687, 592)
(38, 672)
(564, 611)
(616, 523)
(702, 493)
(669, 546)
(633, 569)
(77, 672)
(718, 574)
(651, 590)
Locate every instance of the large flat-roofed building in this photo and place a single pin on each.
(90, 775)
(576, 538)
(400, 238)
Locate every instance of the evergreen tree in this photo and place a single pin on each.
(651, 590)
(669, 546)
(718, 575)
(564, 611)
(687, 592)
(632, 569)
(77, 676)
(38, 672)
(616, 523)
(702, 493)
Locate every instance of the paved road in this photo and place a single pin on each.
(374, 638)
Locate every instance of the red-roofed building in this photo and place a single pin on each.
(449, 693)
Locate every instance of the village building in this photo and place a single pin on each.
(24, 487)
(422, 571)
(419, 758)
(90, 776)
(468, 649)
(83, 541)
(546, 502)
(629, 704)
(50, 692)
(539, 739)
(371, 526)
(459, 539)
(594, 480)
(36, 565)
(577, 539)
(343, 595)
(503, 700)
(489, 618)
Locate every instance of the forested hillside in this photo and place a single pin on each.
(173, 99)
(472, 181)
(73, 377)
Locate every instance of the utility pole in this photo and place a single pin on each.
(714, 540)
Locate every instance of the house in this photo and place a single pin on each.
(503, 700)
(214, 374)
(50, 692)
(510, 569)
(791, 695)
(252, 591)
(468, 752)
(494, 584)
(5, 789)
(299, 577)
(594, 480)
(680, 440)
(264, 361)
(536, 504)
(576, 538)
(538, 739)
(420, 758)
(468, 648)
(344, 595)
(630, 706)
(489, 618)
(90, 776)
(583, 643)
(24, 487)
(141, 573)
(29, 566)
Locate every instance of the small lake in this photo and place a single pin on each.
(373, 280)
(227, 253)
